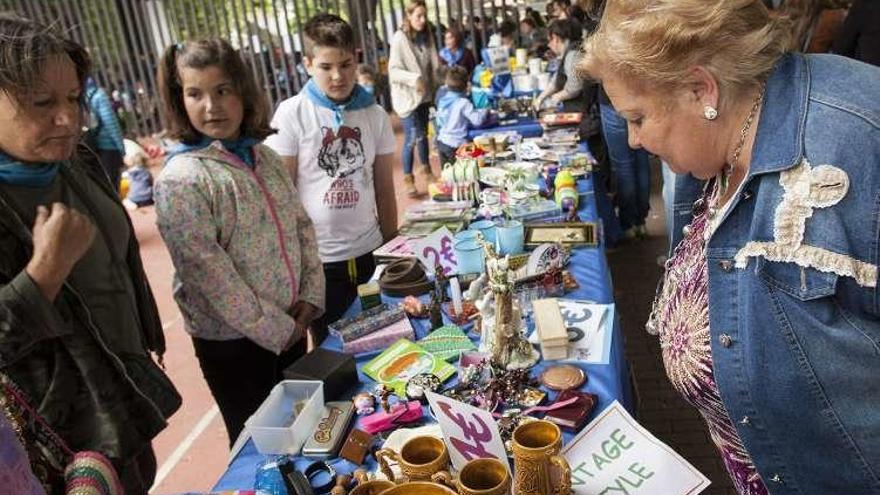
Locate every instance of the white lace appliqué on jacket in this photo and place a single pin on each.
(807, 188)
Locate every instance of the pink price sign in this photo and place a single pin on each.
(470, 432)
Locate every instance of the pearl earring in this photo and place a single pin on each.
(710, 113)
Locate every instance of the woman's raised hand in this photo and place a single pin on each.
(61, 236)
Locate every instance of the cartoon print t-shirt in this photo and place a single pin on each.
(335, 171)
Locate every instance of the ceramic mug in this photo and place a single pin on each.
(465, 235)
(486, 227)
(374, 487)
(491, 196)
(419, 488)
(540, 470)
(469, 255)
(419, 459)
(479, 477)
(511, 237)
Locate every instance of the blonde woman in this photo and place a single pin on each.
(412, 65)
(769, 314)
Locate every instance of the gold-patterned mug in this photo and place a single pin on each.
(419, 458)
(540, 470)
(374, 487)
(419, 488)
(479, 477)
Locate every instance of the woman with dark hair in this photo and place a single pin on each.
(455, 53)
(567, 87)
(411, 71)
(78, 324)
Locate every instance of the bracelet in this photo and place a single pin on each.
(315, 469)
(294, 481)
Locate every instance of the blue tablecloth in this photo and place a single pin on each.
(609, 382)
(526, 127)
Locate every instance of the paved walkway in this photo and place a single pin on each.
(193, 450)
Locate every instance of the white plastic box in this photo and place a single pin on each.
(271, 426)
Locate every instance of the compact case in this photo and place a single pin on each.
(331, 430)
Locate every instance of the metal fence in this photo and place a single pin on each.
(127, 37)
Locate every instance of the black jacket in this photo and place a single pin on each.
(95, 399)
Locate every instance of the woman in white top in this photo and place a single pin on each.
(412, 65)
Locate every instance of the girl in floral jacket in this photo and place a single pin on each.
(248, 278)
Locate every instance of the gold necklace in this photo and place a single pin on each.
(724, 179)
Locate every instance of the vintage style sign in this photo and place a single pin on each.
(470, 432)
(614, 455)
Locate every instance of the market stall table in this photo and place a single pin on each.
(610, 382)
(526, 127)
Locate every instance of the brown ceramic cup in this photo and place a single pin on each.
(540, 470)
(419, 459)
(479, 477)
(374, 487)
(419, 488)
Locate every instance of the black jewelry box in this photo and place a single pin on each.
(336, 369)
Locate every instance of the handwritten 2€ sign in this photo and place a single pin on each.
(436, 249)
(470, 432)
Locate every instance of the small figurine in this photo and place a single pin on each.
(414, 307)
(341, 487)
(550, 172)
(566, 191)
(505, 343)
(360, 476)
(475, 290)
(364, 403)
(440, 283)
(384, 393)
(436, 315)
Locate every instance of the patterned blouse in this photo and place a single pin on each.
(243, 247)
(683, 324)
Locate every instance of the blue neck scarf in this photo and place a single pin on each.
(360, 98)
(451, 57)
(16, 173)
(241, 147)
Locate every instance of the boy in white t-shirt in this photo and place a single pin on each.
(339, 147)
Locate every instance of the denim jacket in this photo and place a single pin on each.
(793, 301)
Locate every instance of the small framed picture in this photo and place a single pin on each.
(574, 234)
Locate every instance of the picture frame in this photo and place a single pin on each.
(572, 234)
